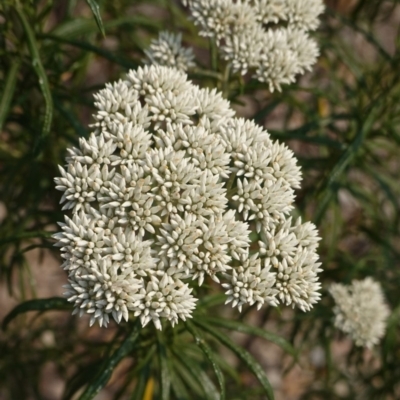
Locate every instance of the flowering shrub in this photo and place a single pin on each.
(172, 204)
(165, 191)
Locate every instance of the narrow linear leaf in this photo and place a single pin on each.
(165, 381)
(244, 355)
(38, 246)
(41, 73)
(187, 376)
(209, 354)
(178, 387)
(382, 181)
(378, 238)
(253, 330)
(109, 364)
(141, 384)
(8, 91)
(71, 118)
(82, 26)
(212, 300)
(96, 13)
(89, 47)
(26, 235)
(260, 116)
(345, 160)
(52, 303)
(227, 368)
(368, 35)
(199, 375)
(199, 73)
(323, 141)
(81, 377)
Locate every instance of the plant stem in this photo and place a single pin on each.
(8, 91)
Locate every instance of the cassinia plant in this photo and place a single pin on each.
(165, 193)
(173, 205)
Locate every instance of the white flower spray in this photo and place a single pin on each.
(360, 311)
(163, 195)
(167, 50)
(268, 38)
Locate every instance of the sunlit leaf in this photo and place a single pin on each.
(96, 13)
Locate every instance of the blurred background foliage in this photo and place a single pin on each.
(342, 120)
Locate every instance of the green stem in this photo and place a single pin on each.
(206, 73)
(213, 55)
(225, 81)
(231, 192)
(8, 92)
(40, 72)
(230, 181)
(104, 374)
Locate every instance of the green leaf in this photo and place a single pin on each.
(109, 364)
(74, 28)
(209, 354)
(72, 119)
(140, 387)
(41, 73)
(244, 355)
(25, 235)
(52, 303)
(97, 50)
(96, 13)
(212, 300)
(316, 140)
(188, 377)
(368, 35)
(82, 26)
(177, 386)
(227, 368)
(165, 380)
(199, 375)
(8, 91)
(253, 330)
(345, 160)
(81, 377)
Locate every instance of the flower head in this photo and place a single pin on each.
(250, 39)
(360, 311)
(149, 192)
(167, 50)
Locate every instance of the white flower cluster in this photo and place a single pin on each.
(360, 311)
(167, 50)
(163, 195)
(266, 37)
